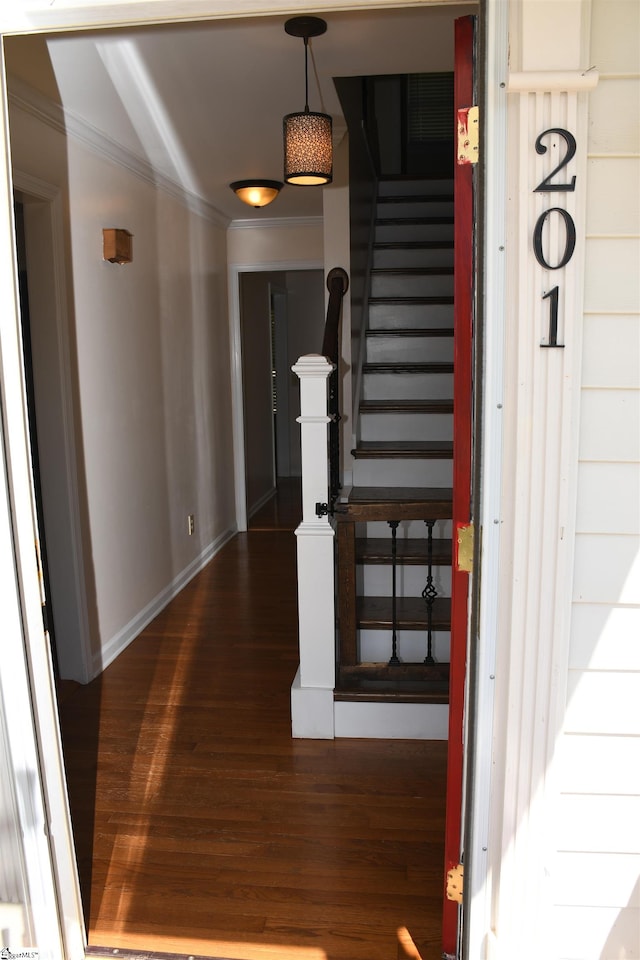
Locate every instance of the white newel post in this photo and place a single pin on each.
(312, 688)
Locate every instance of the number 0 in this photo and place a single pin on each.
(569, 239)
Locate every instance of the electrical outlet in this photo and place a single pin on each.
(191, 524)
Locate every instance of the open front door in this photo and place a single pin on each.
(464, 286)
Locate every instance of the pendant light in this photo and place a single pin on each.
(308, 146)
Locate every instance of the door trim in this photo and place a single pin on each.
(49, 264)
(235, 347)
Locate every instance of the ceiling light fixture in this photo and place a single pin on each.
(308, 148)
(257, 193)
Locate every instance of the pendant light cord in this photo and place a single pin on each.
(306, 77)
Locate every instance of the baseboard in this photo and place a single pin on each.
(114, 647)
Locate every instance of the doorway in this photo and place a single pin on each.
(56, 441)
(281, 319)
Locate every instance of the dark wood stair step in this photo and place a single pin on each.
(411, 332)
(413, 245)
(403, 367)
(397, 503)
(412, 301)
(413, 271)
(415, 672)
(406, 406)
(404, 450)
(408, 552)
(399, 683)
(374, 613)
(418, 198)
(361, 689)
(413, 221)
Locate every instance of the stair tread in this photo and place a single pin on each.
(361, 689)
(406, 406)
(417, 198)
(413, 449)
(433, 301)
(411, 332)
(443, 271)
(408, 552)
(406, 367)
(414, 221)
(396, 503)
(411, 613)
(393, 495)
(413, 245)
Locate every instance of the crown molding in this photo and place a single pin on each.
(33, 103)
(269, 222)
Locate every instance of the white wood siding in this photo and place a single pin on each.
(596, 877)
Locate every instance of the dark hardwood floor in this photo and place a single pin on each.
(202, 828)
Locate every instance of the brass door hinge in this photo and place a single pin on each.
(455, 884)
(465, 537)
(468, 135)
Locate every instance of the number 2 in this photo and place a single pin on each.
(546, 186)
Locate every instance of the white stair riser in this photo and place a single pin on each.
(375, 646)
(415, 208)
(406, 285)
(391, 232)
(406, 188)
(374, 580)
(391, 721)
(408, 257)
(417, 349)
(393, 315)
(406, 426)
(407, 529)
(414, 386)
(402, 473)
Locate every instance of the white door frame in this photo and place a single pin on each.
(65, 551)
(31, 713)
(235, 339)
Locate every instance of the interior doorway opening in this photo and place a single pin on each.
(281, 318)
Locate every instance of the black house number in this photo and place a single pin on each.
(551, 185)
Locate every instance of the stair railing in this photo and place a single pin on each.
(337, 284)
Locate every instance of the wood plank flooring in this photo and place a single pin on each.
(203, 829)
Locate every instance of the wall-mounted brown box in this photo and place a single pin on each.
(117, 245)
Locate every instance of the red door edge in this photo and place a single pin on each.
(464, 284)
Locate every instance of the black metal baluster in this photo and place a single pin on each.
(394, 555)
(429, 593)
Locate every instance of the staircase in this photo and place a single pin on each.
(394, 525)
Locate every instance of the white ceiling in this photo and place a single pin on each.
(204, 102)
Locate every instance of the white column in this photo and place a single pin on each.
(312, 689)
(547, 88)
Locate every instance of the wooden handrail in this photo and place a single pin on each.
(337, 284)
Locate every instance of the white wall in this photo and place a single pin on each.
(150, 371)
(597, 895)
(272, 243)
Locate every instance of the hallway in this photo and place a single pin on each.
(203, 829)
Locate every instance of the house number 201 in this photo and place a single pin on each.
(550, 185)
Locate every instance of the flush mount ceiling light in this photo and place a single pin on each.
(308, 148)
(257, 193)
